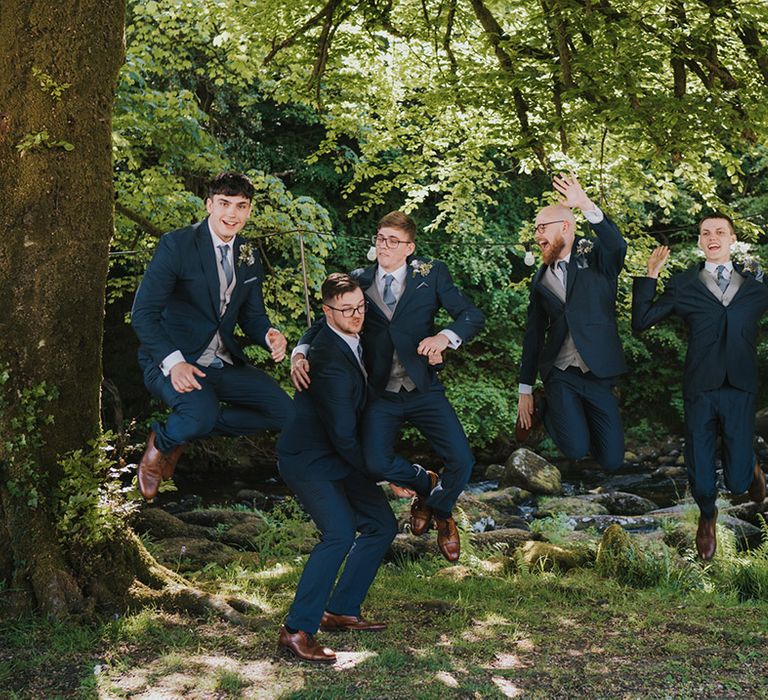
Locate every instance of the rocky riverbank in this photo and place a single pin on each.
(527, 509)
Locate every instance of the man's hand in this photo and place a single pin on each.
(300, 371)
(572, 191)
(656, 261)
(183, 377)
(401, 491)
(435, 358)
(525, 410)
(433, 346)
(277, 343)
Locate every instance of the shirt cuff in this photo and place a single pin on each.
(302, 349)
(171, 361)
(594, 216)
(525, 389)
(453, 340)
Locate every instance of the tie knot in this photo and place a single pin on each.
(388, 278)
(720, 270)
(562, 265)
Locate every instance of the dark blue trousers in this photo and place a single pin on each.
(340, 509)
(730, 413)
(582, 415)
(432, 414)
(234, 400)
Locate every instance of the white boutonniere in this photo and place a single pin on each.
(246, 255)
(740, 253)
(584, 246)
(421, 267)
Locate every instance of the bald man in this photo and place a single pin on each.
(571, 339)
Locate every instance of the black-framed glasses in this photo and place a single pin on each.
(539, 228)
(387, 241)
(350, 311)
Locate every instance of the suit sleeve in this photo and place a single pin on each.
(151, 298)
(252, 315)
(533, 340)
(312, 331)
(468, 320)
(645, 311)
(332, 394)
(612, 248)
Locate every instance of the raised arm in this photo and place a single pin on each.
(645, 311)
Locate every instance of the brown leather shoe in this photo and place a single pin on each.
(169, 461)
(448, 538)
(756, 489)
(421, 513)
(706, 538)
(156, 467)
(304, 647)
(343, 623)
(521, 433)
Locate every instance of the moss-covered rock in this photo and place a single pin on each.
(569, 505)
(544, 556)
(162, 525)
(615, 553)
(529, 471)
(184, 554)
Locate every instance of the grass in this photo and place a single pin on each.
(530, 634)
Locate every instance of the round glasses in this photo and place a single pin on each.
(350, 311)
(540, 228)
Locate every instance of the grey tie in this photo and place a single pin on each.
(389, 295)
(360, 353)
(226, 265)
(564, 270)
(722, 280)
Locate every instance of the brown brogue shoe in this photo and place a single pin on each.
(706, 537)
(343, 623)
(304, 647)
(521, 433)
(448, 538)
(421, 513)
(169, 461)
(756, 489)
(151, 469)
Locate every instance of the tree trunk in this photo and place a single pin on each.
(58, 68)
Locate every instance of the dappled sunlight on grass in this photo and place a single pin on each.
(504, 660)
(199, 677)
(346, 660)
(279, 569)
(507, 688)
(487, 628)
(446, 679)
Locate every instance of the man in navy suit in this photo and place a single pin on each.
(321, 459)
(201, 282)
(571, 338)
(721, 303)
(402, 351)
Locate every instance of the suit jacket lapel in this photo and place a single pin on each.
(208, 263)
(347, 352)
(373, 294)
(411, 285)
(542, 281)
(573, 270)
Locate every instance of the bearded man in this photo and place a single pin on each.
(571, 339)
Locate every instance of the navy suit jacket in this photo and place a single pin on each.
(321, 440)
(721, 339)
(413, 320)
(177, 303)
(589, 311)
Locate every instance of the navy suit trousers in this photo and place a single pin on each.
(340, 509)
(582, 415)
(233, 401)
(731, 413)
(432, 414)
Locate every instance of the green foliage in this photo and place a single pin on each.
(285, 530)
(22, 417)
(555, 529)
(92, 503)
(41, 139)
(49, 85)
